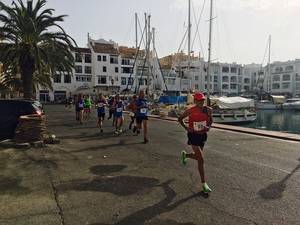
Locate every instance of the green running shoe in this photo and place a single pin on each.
(183, 158)
(206, 188)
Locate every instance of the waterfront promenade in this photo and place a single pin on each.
(100, 179)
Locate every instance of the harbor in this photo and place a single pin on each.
(287, 121)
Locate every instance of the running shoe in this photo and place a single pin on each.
(183, 158)
(206, 189)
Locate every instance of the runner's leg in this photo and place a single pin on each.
(145, 127)
(198, 155)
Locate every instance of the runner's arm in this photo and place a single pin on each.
(180, 119)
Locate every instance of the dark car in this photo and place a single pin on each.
(11, 110)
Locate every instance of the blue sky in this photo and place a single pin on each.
(240, 30)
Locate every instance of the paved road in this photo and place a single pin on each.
(101, 179)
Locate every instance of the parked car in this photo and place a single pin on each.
(11, 110)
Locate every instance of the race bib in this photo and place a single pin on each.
(199, 126)
(131, 114)
(143, 110)
(80, 105)
(119, 109)
(100, 105)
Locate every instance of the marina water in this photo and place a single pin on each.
(277, 120)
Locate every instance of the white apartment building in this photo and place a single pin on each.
(102, 67)
(285, 78)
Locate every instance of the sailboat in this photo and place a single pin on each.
(227, 110)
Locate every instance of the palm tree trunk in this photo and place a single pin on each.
(27, 85)
(27, 70)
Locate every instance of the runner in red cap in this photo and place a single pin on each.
(200, 120)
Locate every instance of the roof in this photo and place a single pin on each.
(82, 50)
(105, 48)
(126, 52)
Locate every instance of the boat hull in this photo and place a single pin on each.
(238, 118)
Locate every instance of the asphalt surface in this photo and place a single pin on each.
(94, 178)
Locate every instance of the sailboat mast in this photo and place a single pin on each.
(148, 54)
(269, 65)
(136, 30)
(209, 53)
(189, 36)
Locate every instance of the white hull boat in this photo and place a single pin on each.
(233, 110)
(292, 104)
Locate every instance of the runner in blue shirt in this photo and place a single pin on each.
(119, 107)
(100, 105)
(142, 108)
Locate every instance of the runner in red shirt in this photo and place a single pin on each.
(200, 120)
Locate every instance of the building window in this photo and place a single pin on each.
(88, 69)
(225, 69)
(297, 77)
(298, 86)
(104, 69)
(125, 61)
(102, 80)
(247, 81)
(233, 79)
(225, 79)
(130, 81)
(196, 86)
(123, 80)
(78, 57)
(117, 69)
(196, 78)
(126, 70)
(276, 86)
(57, 78)
(87, 58)
(215, 78)
(114, 60)
(104, 58)
(289, 68)
(171, 81)
(286, 77)
(276, 78)
(233, 69)
(233, 86)
(286, 85)
(99, 57)
(78, 69)
(67, 79)
(225, 86)
(141, 81)
(278, 69)
(83, 78)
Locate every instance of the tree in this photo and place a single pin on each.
(33, 44)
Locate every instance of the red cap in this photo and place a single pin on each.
(199, 96)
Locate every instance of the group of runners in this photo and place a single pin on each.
(138, 108)
(199, 123)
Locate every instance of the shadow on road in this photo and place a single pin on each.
(147, 214)
(119, 185)
(275, 190)
(11, 186)
(106, 169)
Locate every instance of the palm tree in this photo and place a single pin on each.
(34, 44)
